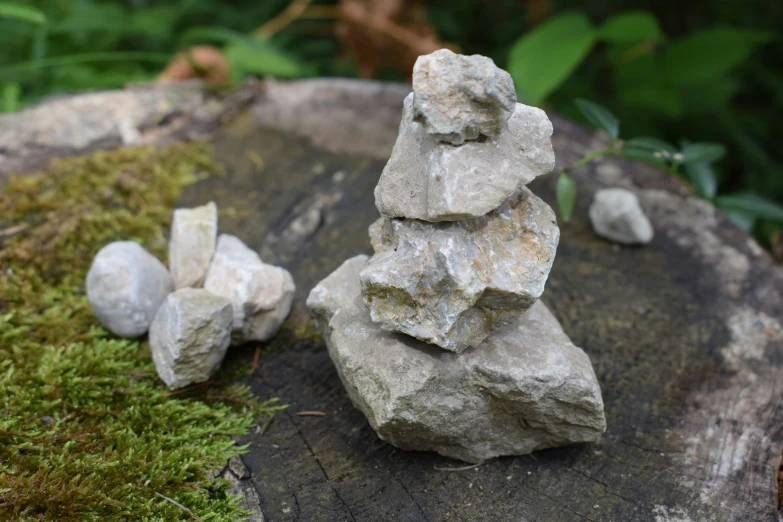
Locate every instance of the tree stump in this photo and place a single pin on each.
(685, 334)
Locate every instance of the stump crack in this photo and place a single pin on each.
(321, 467)
(559, 504)
(402, 485)
(607, 489)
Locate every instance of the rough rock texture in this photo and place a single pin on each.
(192, 244)
(617, 215)
(125, 286)
(452, 283)
(459, 97)
(527, 387)
(189, 336)
(433, 181)
(261, 294)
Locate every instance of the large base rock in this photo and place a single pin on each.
(527, 387)
(453, 283)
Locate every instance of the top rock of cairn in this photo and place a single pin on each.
(459, 98)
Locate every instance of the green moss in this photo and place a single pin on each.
(87, 431)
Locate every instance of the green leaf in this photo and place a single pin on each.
(11, 94)
(14, 69)
(22, 13)
(703, 178)
(632, 26)
(542, 59)
(109, 19)
(649, 149)
(247, 54)
(566, 195)
(750, 204)
(200, 34)
(40, 42)
(254, 59)
(709, 54)
(600, 117)
(702, 152)
(743, 220)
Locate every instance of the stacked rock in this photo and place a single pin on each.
(430, 335)
(190, 328)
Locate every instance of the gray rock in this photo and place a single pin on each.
(428, 180)
(192, 244)
(452, 283)
(527, 387)
(458, 97)
(189, 336)
(261, 294)
(125, 287)
(616, 215)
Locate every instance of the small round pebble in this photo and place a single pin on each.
(125, 286)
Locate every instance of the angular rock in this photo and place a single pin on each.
(616, 214)
(453, 283)
(261, 294)
(527, 387)
(189, 336)
(433, 181)
(459, 98)
(125, 287)
(192, 244)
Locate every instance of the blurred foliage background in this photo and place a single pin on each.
(701, 71)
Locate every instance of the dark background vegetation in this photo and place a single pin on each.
(680, 71)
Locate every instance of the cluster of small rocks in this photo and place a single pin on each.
(430, 335)
(216, 292)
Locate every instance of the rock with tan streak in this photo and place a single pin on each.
(453, 283)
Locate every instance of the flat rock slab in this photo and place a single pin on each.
(685, 336)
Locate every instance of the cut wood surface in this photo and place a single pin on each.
(685, 334)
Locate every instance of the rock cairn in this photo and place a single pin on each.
(430, 335)
(190, 328)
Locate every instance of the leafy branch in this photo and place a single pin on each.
(691, 161)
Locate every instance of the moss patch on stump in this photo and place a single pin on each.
(87, 430)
